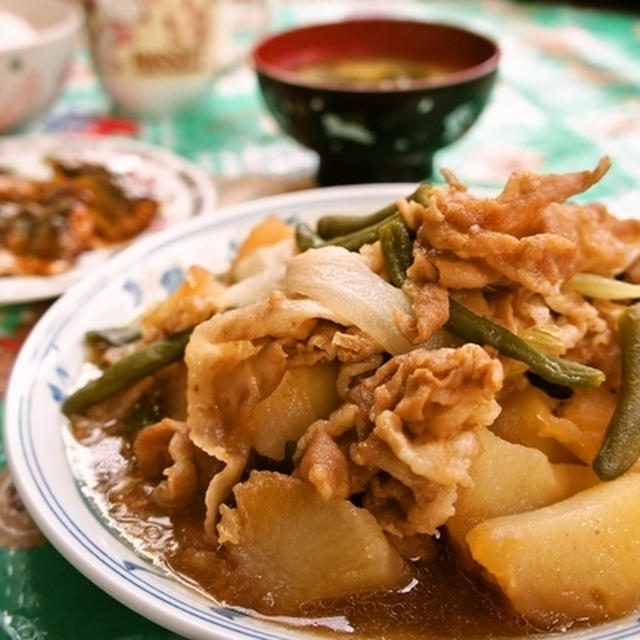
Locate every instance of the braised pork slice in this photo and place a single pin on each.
(513, 237)
(412, 436)
(235, 360)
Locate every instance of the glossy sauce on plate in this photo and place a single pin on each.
(442, 600)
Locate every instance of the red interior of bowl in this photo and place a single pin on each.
(466, 53)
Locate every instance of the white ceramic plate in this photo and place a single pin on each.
(37, 439)
(182, 189)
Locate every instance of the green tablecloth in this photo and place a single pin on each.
(568, 92)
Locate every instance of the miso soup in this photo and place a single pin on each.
(376, 71)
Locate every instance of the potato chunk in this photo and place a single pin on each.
(297, 547)
(304, 395)
(576, 558)
(511, 478)
(525, 416)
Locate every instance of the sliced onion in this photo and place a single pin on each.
(341, 281)
(547, 338)
(601, 287)
(253, 289)
(258, 274)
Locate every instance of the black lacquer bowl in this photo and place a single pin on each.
(376, 131)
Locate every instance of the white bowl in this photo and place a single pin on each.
(40, 448)
(33, 69)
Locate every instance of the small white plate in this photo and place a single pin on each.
(183, 190)
(38, 442)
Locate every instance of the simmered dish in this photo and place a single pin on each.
(418, 423)
(45, 225)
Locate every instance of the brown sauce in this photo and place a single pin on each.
(443, 601)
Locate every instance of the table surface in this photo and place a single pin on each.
(568, 92)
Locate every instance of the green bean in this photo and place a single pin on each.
(367, 235)
(332, 226)
(466, 325)
(351, 232)
(113, 337)
(126, 371)
(306, 239)
(621, 446)
(397, 249)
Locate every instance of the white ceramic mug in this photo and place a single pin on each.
(158, 56)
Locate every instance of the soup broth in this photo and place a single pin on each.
(374, 71)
